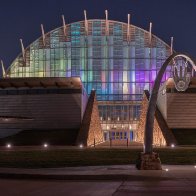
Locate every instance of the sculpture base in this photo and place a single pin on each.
(148, 161)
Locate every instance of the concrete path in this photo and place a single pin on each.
(99, 181)
(115, 172)
(96, 188)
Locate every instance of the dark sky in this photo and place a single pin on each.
(22, 19)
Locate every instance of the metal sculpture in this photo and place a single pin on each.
(181, 82)
(149, 160)
(181, 78)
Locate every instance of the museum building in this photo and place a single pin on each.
(118, 60)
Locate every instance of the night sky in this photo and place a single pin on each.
(22, 19)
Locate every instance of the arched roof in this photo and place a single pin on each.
(156, 42)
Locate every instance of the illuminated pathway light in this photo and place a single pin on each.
(45, 145)
(8, 146)
(81, 145)
(172, 145)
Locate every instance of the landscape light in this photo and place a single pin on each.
(8, 146)
(172, 145)
(195, 166)
(166, 169)
(45, 145)
(81, 145)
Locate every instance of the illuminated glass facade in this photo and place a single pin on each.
(118, 64)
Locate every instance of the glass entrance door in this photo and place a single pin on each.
(116, 135)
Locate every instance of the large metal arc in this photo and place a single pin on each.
(148, 134)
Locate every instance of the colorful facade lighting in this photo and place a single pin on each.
(110, 56)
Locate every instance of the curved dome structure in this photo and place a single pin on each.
(116, 59)
(117, 64)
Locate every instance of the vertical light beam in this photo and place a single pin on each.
(3, 69)
(64, 26)
(23, 50)
(43, 34)
(86, 22)
(128, 28)
(171, 46)
(150, 33)
(106, 23)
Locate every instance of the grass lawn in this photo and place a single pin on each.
(89, 156)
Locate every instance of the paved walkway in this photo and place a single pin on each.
(115, 172)
(99, 181)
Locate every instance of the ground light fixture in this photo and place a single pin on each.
(81, 146)
(166, 169)
(172, 145)
(195, 166)
(8, 145)
(45, 145)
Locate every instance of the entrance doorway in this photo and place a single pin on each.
(118, 135)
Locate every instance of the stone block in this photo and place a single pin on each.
(148, 162)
